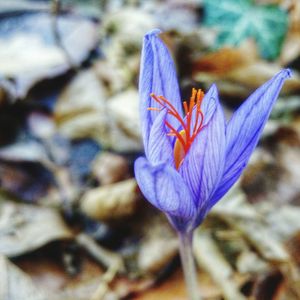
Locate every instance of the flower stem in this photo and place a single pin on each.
(188, 265)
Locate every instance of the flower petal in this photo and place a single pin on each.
(244, 129)
(209, 103)
(208, 107)
(159, 146)
(163, 187)
(158, 76)
(203, 166)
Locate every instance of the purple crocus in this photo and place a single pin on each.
(193, 155)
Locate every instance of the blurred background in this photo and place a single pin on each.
(73, 224)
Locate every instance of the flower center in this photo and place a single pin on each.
(190, 125)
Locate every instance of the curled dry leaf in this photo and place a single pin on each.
(291, 48)
(250, 262)
(41, 125)
(109, 168)
(29, 151)
(109, 259)
(122, 33)
(270, 174)
(237, 71)
(111, 77)
(235, 205)
(262, 238)
(210, 258)
(250, 77)
(124, 110)
(155, 253)
(158, 245)
(226, 59)
(19, 179)
(24, 228)
(171, 13)
(285, 221)
(30, 52)
(252, 226)
(82, 111)
(128, 24)
(16, 285)
(256, 74)
(112, 201)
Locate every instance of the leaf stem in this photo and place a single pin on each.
(188, 264)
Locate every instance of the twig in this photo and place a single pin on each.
(110, 260)
(55, 11)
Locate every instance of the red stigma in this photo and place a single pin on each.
(186, 136)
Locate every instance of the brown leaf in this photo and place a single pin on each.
(31, 55)
(16, 285)
(112, 201)
(210, 258)
(82, 111)
(109, 168)
(226, 59)
(24, 228)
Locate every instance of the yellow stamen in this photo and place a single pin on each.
(179, 151)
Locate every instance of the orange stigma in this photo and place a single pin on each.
(188, 132)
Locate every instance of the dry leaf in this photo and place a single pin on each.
(112, 201)
(291, 48)
(210, 258)
(226, 59)
(16, 285)
(122, 33)
(109, 168)
(156, 253)
(82, 111)
(262, 238)
(123, 109)
(29, 151)
(29, 51)
(24, 228)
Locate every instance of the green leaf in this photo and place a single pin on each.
(237, 20)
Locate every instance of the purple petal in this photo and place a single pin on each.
(203, 166)
(209, 103)
(163, 187)
(158, 76)
(244, 129)
(159, 146)
(208, 107)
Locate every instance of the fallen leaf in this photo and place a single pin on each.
(109, 168)
(156, 253)
(111, 202)
(226, 59)
(241, 81)
(174, 289)
(29, 151)
(124, 109)
(25, 227)
(20, 180)
(262, 238)
(210, 258)
(285, 221)
(82, 111)
(16, 285)
(290, 49)
(271, 175)
(30, 51)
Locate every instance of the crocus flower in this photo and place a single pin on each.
(193, 155)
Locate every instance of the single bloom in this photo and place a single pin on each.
(192, 154)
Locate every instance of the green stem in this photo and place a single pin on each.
(188, 265)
